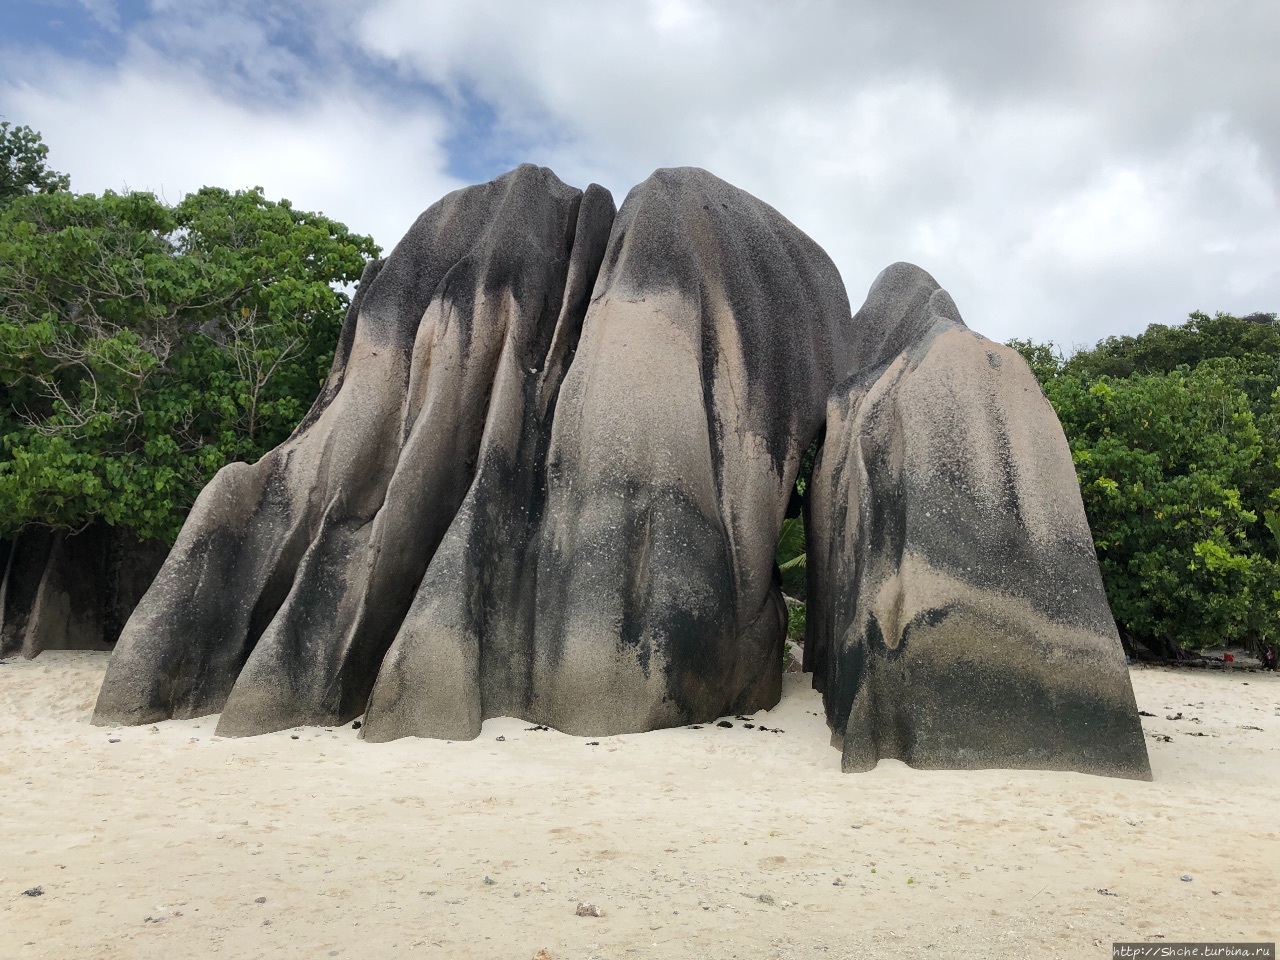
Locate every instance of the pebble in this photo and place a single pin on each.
(355, 725)
(489, 881)
(33, 892)
(113, 740)
(260, 900)
(1186, 878)
(586, 909)
(724, 723)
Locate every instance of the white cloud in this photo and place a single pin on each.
(1062, 172)
(150, 125)
(1066, 170)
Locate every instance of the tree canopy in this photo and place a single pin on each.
(143, 346)
(23, 165)
(1174, 437)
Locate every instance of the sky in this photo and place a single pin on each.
(1068, 171)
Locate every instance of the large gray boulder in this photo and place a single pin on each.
(611, 569)
(956, 612)
(291, 575)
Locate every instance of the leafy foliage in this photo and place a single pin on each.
(1163, 349)
(1174, 438)
(790, 556)
(790, 559)
(1043, 358)
(23, 168)
(143, 346)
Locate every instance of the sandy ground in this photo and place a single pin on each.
(167, 842)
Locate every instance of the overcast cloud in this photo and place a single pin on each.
(1066, 170)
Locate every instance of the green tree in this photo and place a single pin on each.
(1044, 359)
(143, 346)
(23, 168)
(1163, 349)
(1174, 437)
(790, 557)
(1161, 461)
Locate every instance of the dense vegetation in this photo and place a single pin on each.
(24, 166)
(1174, 437)
(143, 346)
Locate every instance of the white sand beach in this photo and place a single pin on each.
(166, 842)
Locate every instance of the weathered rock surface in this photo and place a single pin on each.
(956, 613)
(546, 478)
(291, 575)
(64, 590)
(611, 569)
(528, 250)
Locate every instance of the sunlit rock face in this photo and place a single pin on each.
(546, 478)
